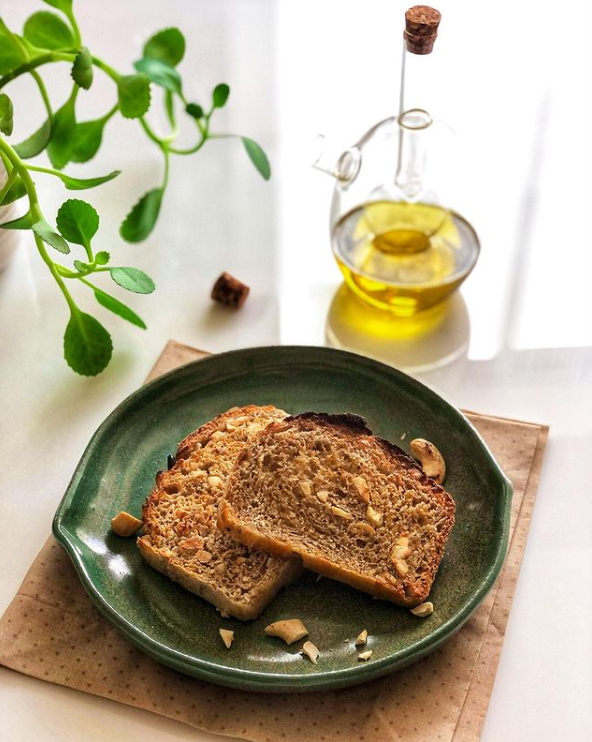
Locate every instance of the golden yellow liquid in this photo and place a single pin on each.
(404, 257)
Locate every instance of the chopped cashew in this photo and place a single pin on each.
(125, 524)
(362, 638)
(305, 488)
(423, 610)
(227, 637)
(290, 630)
(431, 460)
(364, 656)
(373, 516)
(311, 651)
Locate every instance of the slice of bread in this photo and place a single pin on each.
(181, 536)
(354, 507)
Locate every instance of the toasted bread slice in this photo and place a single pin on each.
(181, 536)
(354, 507)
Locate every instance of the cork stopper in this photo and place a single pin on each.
(421, 28)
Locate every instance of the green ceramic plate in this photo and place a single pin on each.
(181, 630)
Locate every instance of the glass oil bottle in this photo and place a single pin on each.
(398, 247)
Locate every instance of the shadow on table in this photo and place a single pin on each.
(427, 341)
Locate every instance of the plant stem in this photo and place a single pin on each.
(110, 113)
(165, 180)
(20, 168)
(146, 126)
(77, 37)
(4, 190)
(107, 69)
(54, 272)
(39, 61)
(43, 90)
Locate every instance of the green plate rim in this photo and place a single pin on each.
(268, 681)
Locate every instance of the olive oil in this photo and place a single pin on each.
(404, 257)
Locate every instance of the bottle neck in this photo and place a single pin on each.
(416, 90)
(414, 120)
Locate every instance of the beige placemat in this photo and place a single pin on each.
(52, 631)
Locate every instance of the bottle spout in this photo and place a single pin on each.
(343, 165)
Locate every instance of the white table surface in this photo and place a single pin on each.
(521, 101)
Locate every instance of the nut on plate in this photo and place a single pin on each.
(423, 610)
(227, 637)
(230, 291)
(365, 656)
(125, 524)
(290, 630)
(431, 460)
(311, 651)
(362, 638)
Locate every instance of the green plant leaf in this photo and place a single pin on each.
(22, 222)
(118, 307)
(161, 73)
(11, 54)
(47, 233)
(87, 345)
(6, 114)
(133, 279)
(82, 267)
(134, 95)
(87, 139)
(194, 110)
(138, 224)
(77, 221)
(220, 95)
(59, 146)
(47, 30)
(82, 184)
(167, 46)
(257, 157)
(17, 190)
(102, 258)
(36, 143)
(82, 69)
(64, 5)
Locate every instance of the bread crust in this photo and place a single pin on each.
(409, 594)
(171, 566)
(204, 589)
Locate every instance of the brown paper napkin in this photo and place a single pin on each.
(52, 631)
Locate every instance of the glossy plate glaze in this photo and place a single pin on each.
(181, 630)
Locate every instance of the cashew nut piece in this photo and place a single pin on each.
(227, 637)
(290, 630)
(311, 651)
(125, 524)
(431, 460)
(362, 638)
(423, 610)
